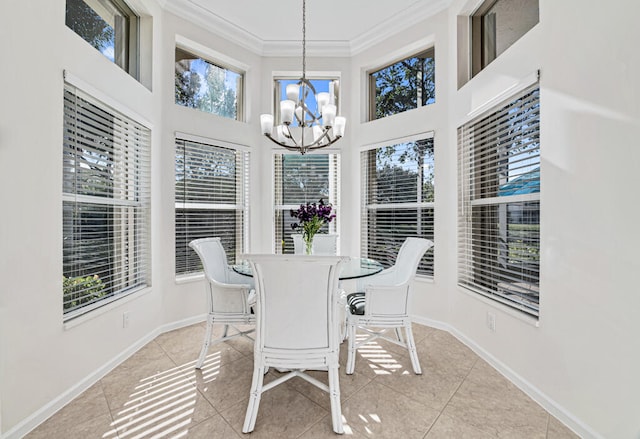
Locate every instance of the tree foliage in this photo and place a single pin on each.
(405, 85)
(84, 21)
(206, 90)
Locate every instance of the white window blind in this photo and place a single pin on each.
(398, 199)
(302, 179)
(211, 196)
(499, 202)
(105, 193)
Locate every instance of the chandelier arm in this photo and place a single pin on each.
(284, 145)
(289, 135)
(314, 146)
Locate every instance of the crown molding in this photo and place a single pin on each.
(217, 25)
(396, 24)
(214, 23)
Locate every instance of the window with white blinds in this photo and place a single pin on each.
(300, 179)
(398, 199)
(211, 199)
(105, 204)
(499, 202)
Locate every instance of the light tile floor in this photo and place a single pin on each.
(157, 393)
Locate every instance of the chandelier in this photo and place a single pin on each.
(315, 129)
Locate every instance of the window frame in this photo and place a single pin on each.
(478, 57)
(494, 256)
(127, 56)
(241, 205)
(426, 268)
(371, 83)
(279, 92)
(116, 145)
(220, 62)
(281, 243)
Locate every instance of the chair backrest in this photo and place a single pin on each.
(297, 306)
(323, 244)
(213, 257)
(409, 257)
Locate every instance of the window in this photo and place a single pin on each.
(405, 85)
(496, 25)
(211, 199)
(327, 85)
(398, 199)
(300, 179)
(208, 87)
(108, 25)
(105, 193)
(499, 203)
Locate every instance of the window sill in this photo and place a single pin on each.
(189, 278)
(111, 305)
(506, 309)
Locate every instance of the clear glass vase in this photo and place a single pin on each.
(308, 244)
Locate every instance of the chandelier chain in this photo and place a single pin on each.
(304, 38)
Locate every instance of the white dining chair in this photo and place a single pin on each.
(229, 295)
(297, 325)
(384, 304)
(323, 244)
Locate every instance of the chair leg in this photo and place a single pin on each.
(205, 343)
(411, 346)
(254, 399)
(351, 351)
(334, 395)
(399, 335)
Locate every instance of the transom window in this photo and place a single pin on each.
(496, 25)
(398, 199)
(499, 203)
(303, 179)
(108, 25)
(105, 204)
(211, 199)
(326, 85)
(407, 84)
(207, 86)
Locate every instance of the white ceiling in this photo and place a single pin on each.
(274, 27)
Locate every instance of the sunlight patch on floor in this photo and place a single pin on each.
(163, 404)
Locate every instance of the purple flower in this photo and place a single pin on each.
(311, 217)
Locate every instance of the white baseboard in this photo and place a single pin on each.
(559, 412)
(31, 422)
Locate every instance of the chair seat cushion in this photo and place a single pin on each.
(356, 303)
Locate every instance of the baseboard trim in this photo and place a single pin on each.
(45, 412)
(559, 412)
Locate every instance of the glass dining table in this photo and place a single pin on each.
(354, 268)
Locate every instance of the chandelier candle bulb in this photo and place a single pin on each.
(293, 92)
(323, 99)
(286, 111)
(328, 115)
(266, 122)
(338, 126)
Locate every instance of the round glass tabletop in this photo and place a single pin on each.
(352, 269)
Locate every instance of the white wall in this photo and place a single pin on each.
(41, 359)
(581, 361)
(584, 355)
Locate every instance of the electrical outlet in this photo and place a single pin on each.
(125, 319)
(491, 321)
